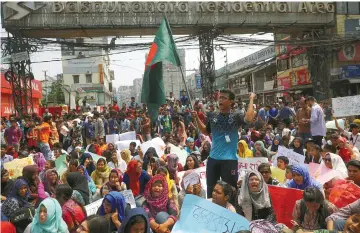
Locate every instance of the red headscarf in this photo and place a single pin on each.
(134, 177)
(157, 204)
(7, 227)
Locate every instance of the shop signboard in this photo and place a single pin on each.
(351, 71)
(300, 77)
(284, 81)
(269, 85)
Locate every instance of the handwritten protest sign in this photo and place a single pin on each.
(92, 208)
(294, 158)
(60, 164)
(112, 138)
(16, 166)
(346, 106)
(129, 198)
(249, 164)
(202, 173)
(122, 145)
(157, 143)
(201, 215)
(322, 173)
(191, 179)
(127, 136)
(283, 202)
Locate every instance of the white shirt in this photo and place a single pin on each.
(353, 139)
(121, 166)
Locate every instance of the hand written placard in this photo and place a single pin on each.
(250, 164)
(346, 106)
(200, 215)
(129, 198)
(294, 158)
(92, 208)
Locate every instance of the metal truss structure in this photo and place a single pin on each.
(19, 74)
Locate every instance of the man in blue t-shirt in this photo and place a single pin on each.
(224, 125)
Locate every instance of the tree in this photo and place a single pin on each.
(56, 94)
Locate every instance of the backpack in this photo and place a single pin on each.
(326, 213)
(22, 218)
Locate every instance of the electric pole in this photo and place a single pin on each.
(45, 80)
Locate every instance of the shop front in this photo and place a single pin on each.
(7, 103)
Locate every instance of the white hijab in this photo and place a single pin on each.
(337, 164)
(248, 199)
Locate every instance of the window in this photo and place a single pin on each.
(299, 60)
(76, 78)
(88, 78)
(282, 64)
(110, 87)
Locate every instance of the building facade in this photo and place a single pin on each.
(86, 72)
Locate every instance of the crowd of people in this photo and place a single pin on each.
(214, 134)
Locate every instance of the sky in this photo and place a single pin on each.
(129, 66)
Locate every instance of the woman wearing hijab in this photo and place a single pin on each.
(40, 161)
(136, 220)
(190, 145)
(48, 218)
(52, 179)
(30, 175)
(275, 145)
(205, 151)
(116, 162)
(101, 175)
(155, 164)
(136, 178)
(173, 191)
(243, 150)
(254, 199)
(150, 153)
(194, 189)
(115, 183)
(345, 149)
(126, 155)
(259, 150)
(162, 210)
(297, 145)
(80, 187)
(302, 179)
(73, 212)
(6, 184)
(114, 206)
(87, 161)
(108, 152)
(17, 198)
(92, 186)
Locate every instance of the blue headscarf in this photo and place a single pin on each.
(14, 193)
(274, 148)
(117, 200)
(133, 213)
(54, 222)
(308, 181)
(86, 174)
(91, 167)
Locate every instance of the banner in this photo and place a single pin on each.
(112, 138)
(92, 208)
(16, 166)
(346, 106)
(127, 136)
(250, 164)
(129, 198)
(181, 153)
(283, 202)
(294, 158)
(201, 215)
(157, 143)
(122, 145)
(202, 173)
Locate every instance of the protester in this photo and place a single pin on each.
(275, 145)
(265, 170)
(310, 212)
(86, 160)
(126, 156)
(80, 186)
(191, 163)
(174, 166)
(71, 167)
(44, 132)
(101, 175)
(173, 191)
(95, 224)
(115, 183)
(221, 195)
(73, 212)
(162, 211)
(113, 208)
(52, 180)
(137, 221)
(297, 145)
(116, 162)
(136, 178)
(353, 169)
(260, 151)
(243, 150)
(254, 199)
(282, 162)
(337, 220)
(6, 184)
(48, 218)
(301, 178)
(194, 189)
(31, 176)
(314, 155)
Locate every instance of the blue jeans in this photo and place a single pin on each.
(339, 224)
(45, 150)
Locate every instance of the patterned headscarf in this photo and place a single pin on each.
(308, 181)
(172, 165)
(15, 192)
(157, 204)
(40, 161)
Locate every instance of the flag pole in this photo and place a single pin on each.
(186, 88)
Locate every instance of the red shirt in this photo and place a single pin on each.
(116, 108)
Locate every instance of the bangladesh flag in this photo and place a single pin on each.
(163, 48)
